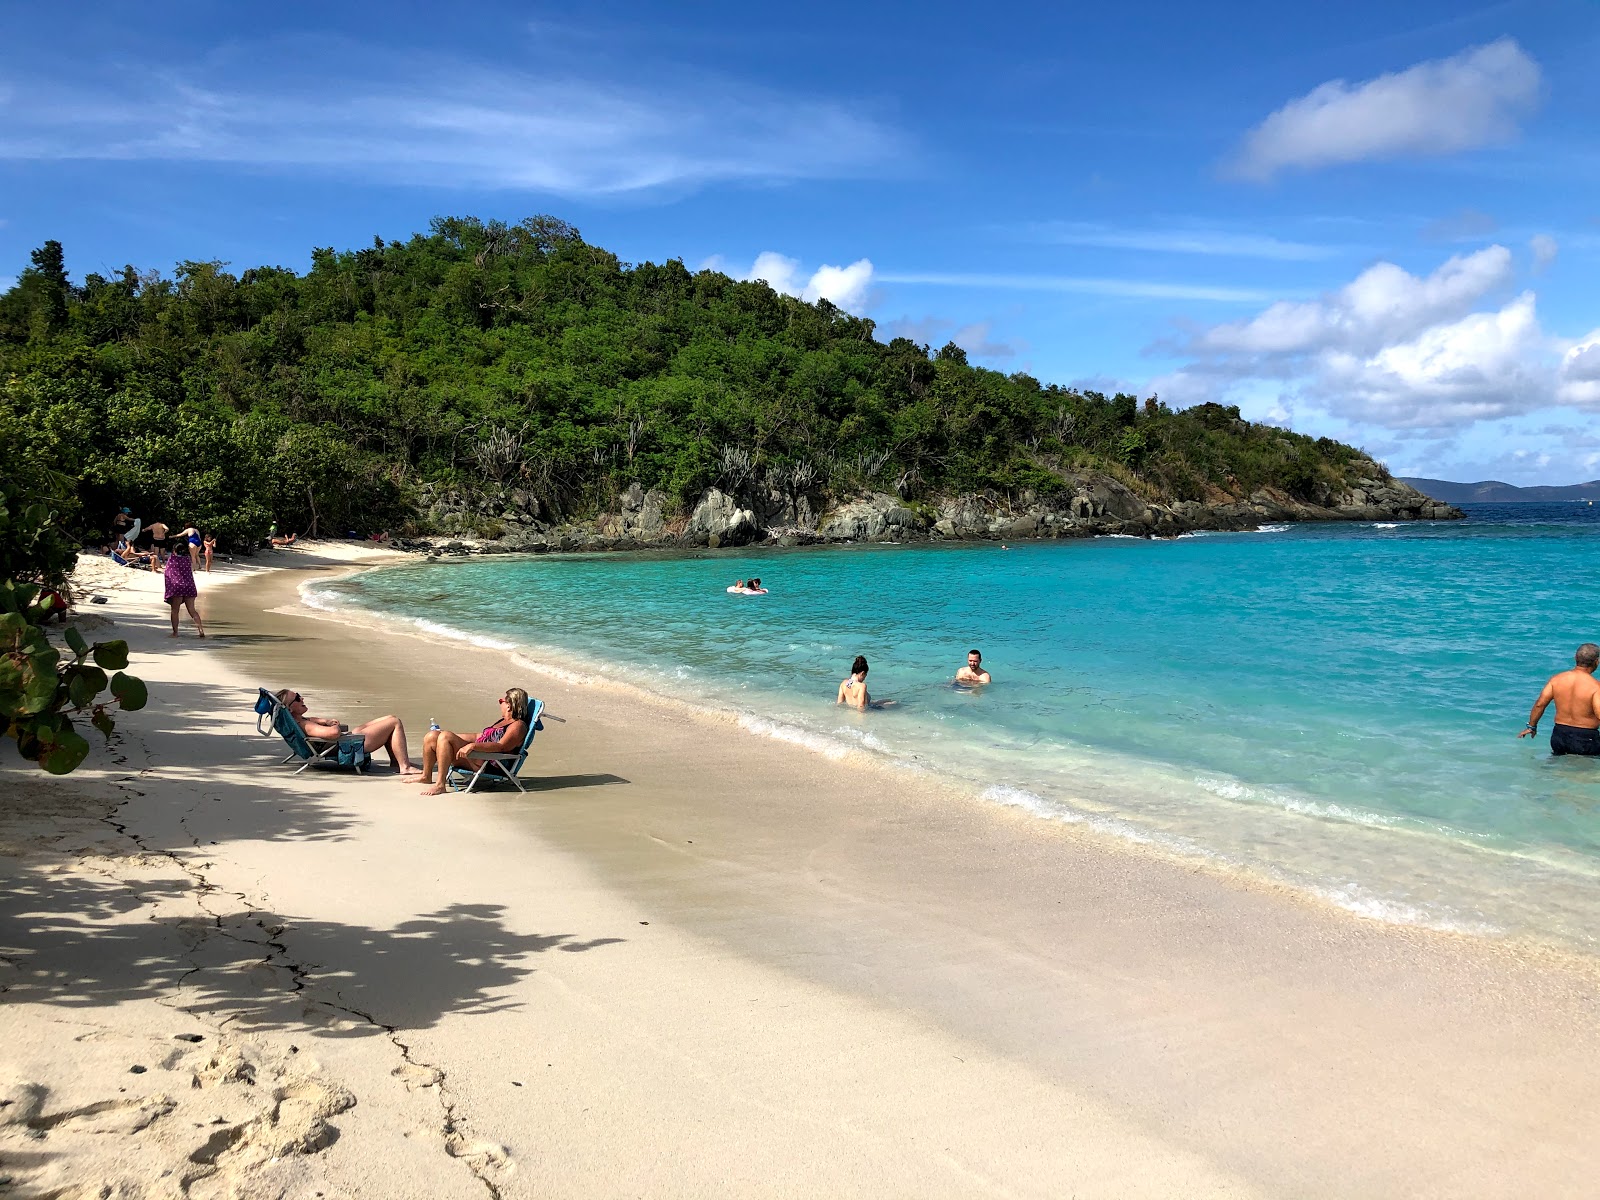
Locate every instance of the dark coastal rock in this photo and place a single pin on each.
(1087, 504)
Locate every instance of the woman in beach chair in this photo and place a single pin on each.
(387, 732)
(442, 749)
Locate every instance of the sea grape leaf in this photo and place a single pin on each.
(130, 692)
(84, 684)
(113, 656)
(75, 640)
(65, 754)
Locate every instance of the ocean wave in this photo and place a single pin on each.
(1386, 525)
(1126, 831)
(795, 735)
(1273, 528)
(461, 635)
(1232, 789)
(1354, 898)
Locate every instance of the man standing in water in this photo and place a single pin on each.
(973, 672)
(1577, 696)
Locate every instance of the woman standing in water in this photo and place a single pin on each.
(180, 587)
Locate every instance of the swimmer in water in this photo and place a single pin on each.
(1577, 697)
(853, 691)
(973, 672)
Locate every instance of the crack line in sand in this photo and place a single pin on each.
(479, 1157)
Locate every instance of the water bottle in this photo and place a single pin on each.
(433, 726)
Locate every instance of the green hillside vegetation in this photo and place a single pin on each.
(521, 355)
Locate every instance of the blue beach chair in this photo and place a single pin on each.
(346, 750)
(496, 768)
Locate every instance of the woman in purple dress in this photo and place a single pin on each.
(180, 589)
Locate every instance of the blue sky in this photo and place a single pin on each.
(1367, 220)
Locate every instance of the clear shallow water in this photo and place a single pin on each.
(1332, 706)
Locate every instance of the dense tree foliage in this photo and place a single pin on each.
(520, 354)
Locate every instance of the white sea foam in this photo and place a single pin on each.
(780, 731)
(1356, 899)
(1232, 789)
(1387, 525)
(1134, 536)
(1274, 529)
(461, 635)
(1055, 810)
(314, 595)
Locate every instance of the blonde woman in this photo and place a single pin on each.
(442, 749)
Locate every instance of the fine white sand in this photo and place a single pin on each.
(694, 962)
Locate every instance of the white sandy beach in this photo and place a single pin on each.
(694, 962)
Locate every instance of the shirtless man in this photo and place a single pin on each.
(1577, 696)
(380, 733)
(973, 672)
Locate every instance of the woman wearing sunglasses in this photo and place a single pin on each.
(388, 732)
(442, 749)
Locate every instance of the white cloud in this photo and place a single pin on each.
(442, 123)
(1382, 304)
(847, 287)
(1580, 372)
(1482, 367)
(1545, 248)
(1472, 99)
(1202, 241)
(1396, 351)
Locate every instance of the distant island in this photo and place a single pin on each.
(1492, 491)
(519, 387)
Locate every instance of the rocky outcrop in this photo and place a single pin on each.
(874, 518)
(1090, 504)
(1375, 499)
(719, 521)
(639, 516)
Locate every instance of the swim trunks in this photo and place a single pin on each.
(1572, 739)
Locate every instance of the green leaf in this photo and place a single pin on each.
(39, 685)
(67, 752)
(84, 684)
(102, 721)
(113, 656)
(75, 640)
(131, 693)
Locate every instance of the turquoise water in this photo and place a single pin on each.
(1334, 707)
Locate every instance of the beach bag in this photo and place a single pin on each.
(353, 752)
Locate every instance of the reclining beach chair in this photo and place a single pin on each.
(496, 769)
(346, 750)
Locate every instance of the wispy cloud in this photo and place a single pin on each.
(976, 338)
(1440, 107)
(435, 122)
(1134, 289)
(1178, 240)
